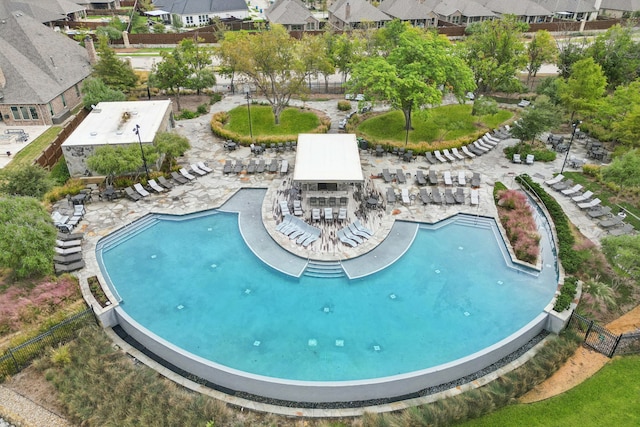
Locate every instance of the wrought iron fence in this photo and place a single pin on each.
(595, 336)
(628, 344)
(17, 358)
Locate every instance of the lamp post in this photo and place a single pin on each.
(248, 94)
(573, 134)
(136, 130)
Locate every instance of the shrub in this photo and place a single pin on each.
(202, 109)
(186, 114)
(517, 219)
(344, 105)
(71, 188)
(60, 172)
(524, 149)
(498, 187)
(215, 97)
(567, 294)
(592, 170)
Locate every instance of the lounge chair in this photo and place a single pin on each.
(466, 151)
(475, 197)
(430, 158)
(315, 234)
(475, 150)
(588, 205)
(462, 178)
(357, 232)
(342, 214)
(195, 169)
(315, 214)
(611, 222)
(140, 189)
(362, 228)
(58, 218)
(67, 259)
(203, 166)
(439, 156)
(391, 195)
(328, 214)
(297, 208)
(424, 196)
(344, 239)
(619, 231)
(488, 141)
(286, 221)
(69, 236)
(436, 197)
(132, 194)
(284, 166)
(459, 196)
(251, 168)
(555, 179)
(284, 208)
(481, 147)
(433, 178)
(448, 155)
(386, 176)
(186, 174)
(164, 182)
(563, 185)
(448, 197)
(154, 185)
(405, 196)
(488, 137)
(457, 154)
(516, 158)
(420, 178)
(178, 178)
(238, 167)
(447, 178)
(571, 191)
(475, 180)
(599, 211)
(67, 268)
(400, 176)
(347, 232)
(68, 243)
(228, 167)
(67, 251)
(481, 143)
(260, 166)
(530, 158)
(583, 197)
(273, 166)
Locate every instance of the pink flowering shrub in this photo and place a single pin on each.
(20, 305)
(517, 219)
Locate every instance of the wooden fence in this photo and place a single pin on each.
(50, 155)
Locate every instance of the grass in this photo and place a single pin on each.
(28, 154)
(608, 198)
(611, 397)
(292, 121)
(448, 122)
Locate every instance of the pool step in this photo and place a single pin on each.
(324, 269)
(127, 232)
(475, 221)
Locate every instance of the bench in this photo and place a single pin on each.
(17, 131)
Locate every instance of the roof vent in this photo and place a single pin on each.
(118, 132)
(134, 113)
(94, 133)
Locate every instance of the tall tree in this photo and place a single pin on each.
(616, 114)
(170, 73)
(94, 91)
(345, 52)
(570, 52)
(583, 91)
(624, 170)
(111, 70)
(171, 145)
(272, 61)
(496, 54)
(112, 161)
(27, 237)
(539, 118)
(541, 50)
(316, 59)
(415, 74)
(28, 180)
(618, 55)
(198, 59)
(227, 55)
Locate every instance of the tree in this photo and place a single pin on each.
(227, 55)
(416, 73)
(345, 51)
(197, 59)
(95, 91)
(316, 59)
(624, 251)
(617, 54)
(623, 170)
(28, 180)
(171, 73)
(272, 61)
(538, 118)
(171, 145)
(582, 92)
(569, 54)
(495, 53)
(111, 70)
(27, 237)
(112, 161)
(542, 49)
(628, 130)
(619, 113)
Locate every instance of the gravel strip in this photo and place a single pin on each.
(25, 412)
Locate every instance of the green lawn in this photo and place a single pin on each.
(609, 398)
(28, 154)
(292, 121)
(444, 123)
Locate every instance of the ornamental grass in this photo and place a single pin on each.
(517, 219)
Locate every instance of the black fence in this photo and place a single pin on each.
(17, 358)
(603, 340)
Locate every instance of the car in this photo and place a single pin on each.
(524, 103)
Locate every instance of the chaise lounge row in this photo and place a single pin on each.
(298, 230)
(354, 234)
(68, 250)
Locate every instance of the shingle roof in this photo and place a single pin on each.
(45, 11)
(192, 7)
(361, 11)
(408, 9)
(288, 12)
(578, 6)
(37, 62)
(624, 5)
(465, 7)
(519, 8)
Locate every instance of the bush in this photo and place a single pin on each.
(483, 106)
(29, 180)
(497, 188)
(186, 114)
(524, 149)
(71, 188)
(60, 172)
(202, 109)
(517, 219)
(567, 294)
(215, 97)
(344, 105)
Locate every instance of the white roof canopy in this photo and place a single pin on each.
(327, 158)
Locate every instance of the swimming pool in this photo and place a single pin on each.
(452, 295)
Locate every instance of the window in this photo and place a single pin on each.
(455, 19)
(189, 20)
(296, 27)
(64, 102)
(203, 19)
(77, 90)
(51, 109)
(34, 113)
(16, 113)
(25, 113)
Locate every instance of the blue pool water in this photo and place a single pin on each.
(196, 284)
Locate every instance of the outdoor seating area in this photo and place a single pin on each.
(477, 148)
(354, 234)
(437, 196)
(66, 223)
(297, 229)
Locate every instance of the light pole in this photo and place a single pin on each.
(248, 93)
(573, 134)
(136, 130)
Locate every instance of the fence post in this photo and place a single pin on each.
(15, 362)
(615, 346)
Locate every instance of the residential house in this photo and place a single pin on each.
(349, 14)
(462, 12)
(41, 71)
(293, 15)
(195, 13)
(48, 12)
(619, 8)
(575, 10)
(99, 4)
(418, 13)
(526, 10)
